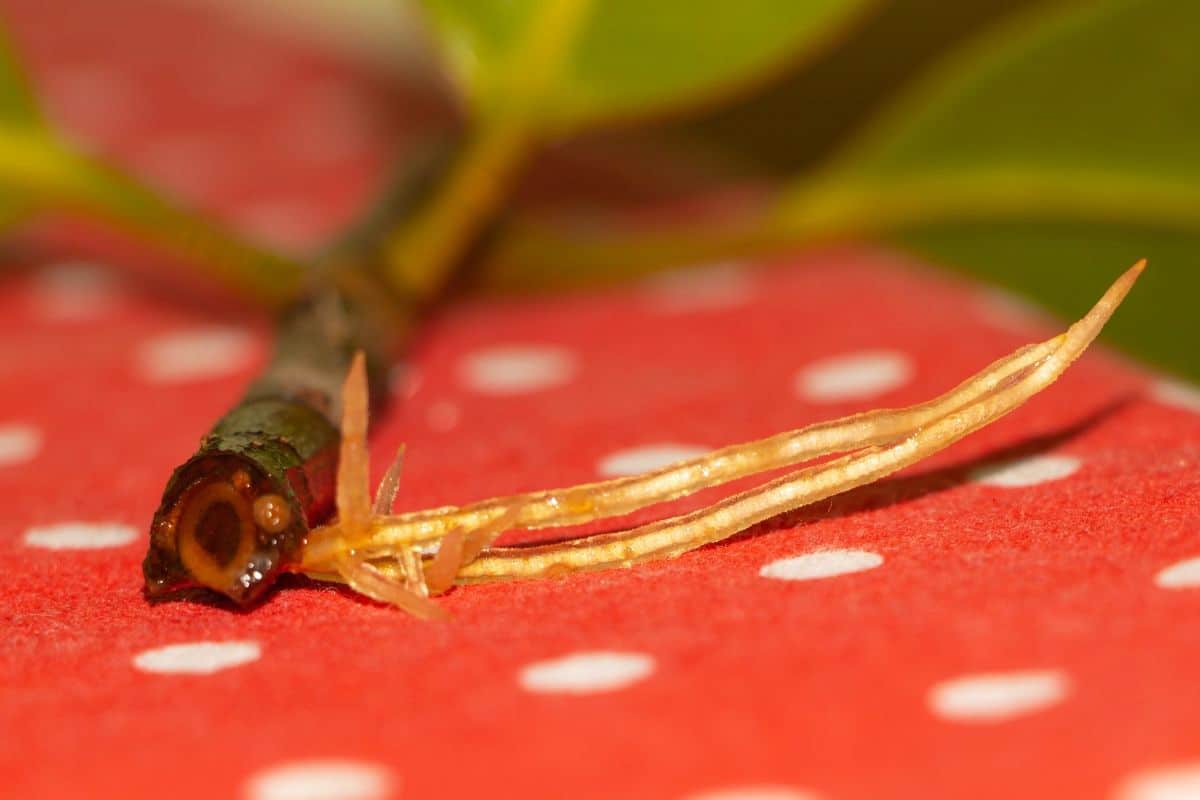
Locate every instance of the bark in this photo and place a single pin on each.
(235, 515)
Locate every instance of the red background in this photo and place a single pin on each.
(820, 685)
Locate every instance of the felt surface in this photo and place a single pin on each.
(950, 632)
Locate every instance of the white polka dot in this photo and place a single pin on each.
(95, 99)
(821, 564)
(1180, 575)
(1012, 312)
(755, 793)
(516, 369)
(197, 658)
(712, 287)
(442, 416)
(405, 380)
(1177, 394)
(1027, 471)
(1175, 782)
(648, 457)
(18, 443)
(854, 376)
(284, 223)
(195, 354)
(195, 166)
(80, 535)
(321, 780)
(331, 123)
(236, 80)
(73, 291)
(996, 697)
(586, 673)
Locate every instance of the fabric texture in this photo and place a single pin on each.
(1013, 618)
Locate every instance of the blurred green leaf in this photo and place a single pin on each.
(1067, 143)
(1053, 263)
(18, 110)
(771, 129)
(1107, 86)
(17, 104)
(1092, 112)
(47, 174)
(531, 70)
(628, 58)
(40, 171)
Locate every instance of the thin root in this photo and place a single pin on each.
(590, 501)
(403, 585)
(386, 588)
(882, 442)
(461, 547)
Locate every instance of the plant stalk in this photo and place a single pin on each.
(51, 173)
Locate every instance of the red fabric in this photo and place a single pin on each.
(823, 686)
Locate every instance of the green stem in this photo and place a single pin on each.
(421, 253)
(54, 175)
(834, 210)
(880, 205)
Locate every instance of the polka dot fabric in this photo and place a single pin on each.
(1013, 618)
